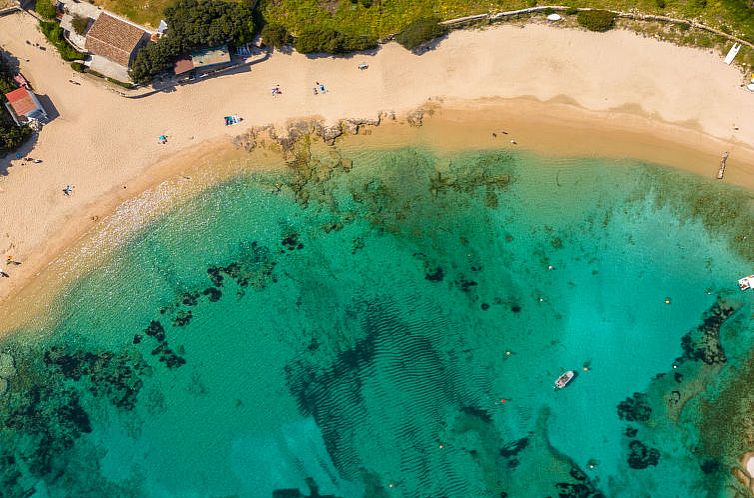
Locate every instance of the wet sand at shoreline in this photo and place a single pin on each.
(573, 93)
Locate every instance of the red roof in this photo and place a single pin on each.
(21, 101)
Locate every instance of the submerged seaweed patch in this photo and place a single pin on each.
(116, 377)
(642, 456)
(722, 209)
(635, 408)
(703, 344)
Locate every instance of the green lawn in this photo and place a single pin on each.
(144, 12)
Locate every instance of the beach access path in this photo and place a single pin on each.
(107, 145)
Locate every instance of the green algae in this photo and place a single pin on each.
(344, 330)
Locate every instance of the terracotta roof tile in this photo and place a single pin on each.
(113, 38)
(21, 101)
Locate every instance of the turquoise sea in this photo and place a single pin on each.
(389, 323)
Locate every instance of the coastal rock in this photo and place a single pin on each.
(415, 118)
(250, 139)
(7, 366)
(387, 115)
(329, 133)
(353, 126)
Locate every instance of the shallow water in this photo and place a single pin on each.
(391, 325)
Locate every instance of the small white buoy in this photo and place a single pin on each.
(675, 366)
(550, 267)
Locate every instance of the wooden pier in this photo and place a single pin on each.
(723, 162)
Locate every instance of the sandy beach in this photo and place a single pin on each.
(557, 91)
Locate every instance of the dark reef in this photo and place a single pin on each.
(641, 456)
(635, 409)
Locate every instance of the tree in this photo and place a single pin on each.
(193, 24)
(275, 35)
(11, 135)
(420, 31)
(80, 23)
(328, 40)
(46, 9)
(596, 20)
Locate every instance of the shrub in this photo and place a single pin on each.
(661, 3)
(119, 83)
(193, 24)
(78, 67)
(54, 34)
(11, 136)
(276, 36)
(80, 23)
(420, 31)
(45, 8)
(571, 11)
(328, 40)
(700, 4)
(596, 20)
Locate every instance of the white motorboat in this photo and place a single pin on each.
(564, 379)
(746, 282)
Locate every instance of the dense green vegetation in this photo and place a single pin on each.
(596, 20)
(328, 40)
(275, 35)
(54, 34)
(194, 23)
(420, 31)
(385, 18)
(11, 136)
(45, 8)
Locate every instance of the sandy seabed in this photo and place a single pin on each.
(552, 91)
